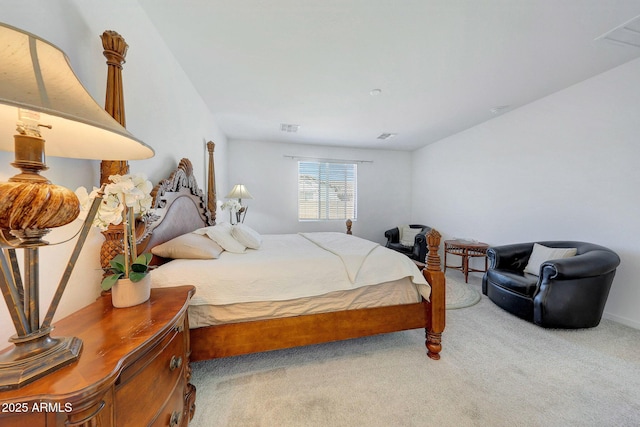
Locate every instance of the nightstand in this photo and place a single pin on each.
(133, 370)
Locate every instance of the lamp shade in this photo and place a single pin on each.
(239, 192)
(35, 75)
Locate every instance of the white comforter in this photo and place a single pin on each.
(289, 266)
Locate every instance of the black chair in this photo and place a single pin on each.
(567, 293)
(417, 251)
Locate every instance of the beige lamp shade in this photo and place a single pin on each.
(239, 191)
(35, 75)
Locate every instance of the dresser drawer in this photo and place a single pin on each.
(174, 414)
(26, 419)
(144, 386)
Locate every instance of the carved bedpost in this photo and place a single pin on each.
(349, 224)
(211, 182)
(433, 257)
(115, 50)
(436, 310)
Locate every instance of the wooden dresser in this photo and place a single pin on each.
(133, 370)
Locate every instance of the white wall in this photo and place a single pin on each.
(272, 179)
(162, 109)
(562, 168)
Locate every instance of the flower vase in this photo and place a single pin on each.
(126, 293)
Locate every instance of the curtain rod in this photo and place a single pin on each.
(327, 160)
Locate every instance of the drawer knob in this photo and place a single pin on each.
(175, 363)
(175, 419)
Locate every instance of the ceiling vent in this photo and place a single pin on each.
(627, 34)
(286, 127)
(386, 135)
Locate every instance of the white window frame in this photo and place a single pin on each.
(327, 191)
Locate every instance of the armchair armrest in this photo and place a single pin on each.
(510, 257)
(393, 235)
(420, 248)
(589, 264)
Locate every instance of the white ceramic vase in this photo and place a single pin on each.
(126, 293)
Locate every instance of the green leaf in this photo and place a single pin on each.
(141, 264)
(109, 281)
(143, 259)
(138, 268)
(136, 276)
(117, 263)
(147, 256)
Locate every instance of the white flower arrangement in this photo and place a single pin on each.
(234, 207)
(231, 205)
(132, 191)
(124, 198)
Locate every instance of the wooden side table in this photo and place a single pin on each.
(133, 370)
(465, 249)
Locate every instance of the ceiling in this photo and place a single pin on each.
(436, 67)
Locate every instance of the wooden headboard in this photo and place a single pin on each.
(180, 195)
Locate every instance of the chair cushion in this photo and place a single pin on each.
(542, 253)
(408, 235)
(521, 283)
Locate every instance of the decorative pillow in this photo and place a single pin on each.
(189, 246)
(204, 230)
(408, 235)
(247, 236)
(221, 234)
(542, 253)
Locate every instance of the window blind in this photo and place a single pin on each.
(327, 190)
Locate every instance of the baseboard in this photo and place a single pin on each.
(622, 320)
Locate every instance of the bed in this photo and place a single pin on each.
(180, 208)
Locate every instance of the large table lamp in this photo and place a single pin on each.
(42, 98)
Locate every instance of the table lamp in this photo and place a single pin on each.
(38, 89)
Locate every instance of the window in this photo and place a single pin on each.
(327, 191)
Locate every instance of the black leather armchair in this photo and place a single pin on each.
(568, 293)
(418, 251)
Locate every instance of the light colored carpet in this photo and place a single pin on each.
(496, 370)
(459, 294)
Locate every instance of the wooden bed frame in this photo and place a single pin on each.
(180, 207)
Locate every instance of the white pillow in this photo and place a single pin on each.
(189, 246)
(542, 253)
(247, 236)
(204, 230)
(408, 235)
(221, 234)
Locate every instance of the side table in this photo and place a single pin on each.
(133, 370)
(465, 249)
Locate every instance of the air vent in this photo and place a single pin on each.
(286, 127)
(627, 34)
(386, 135)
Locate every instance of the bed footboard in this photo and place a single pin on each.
(273, 334)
